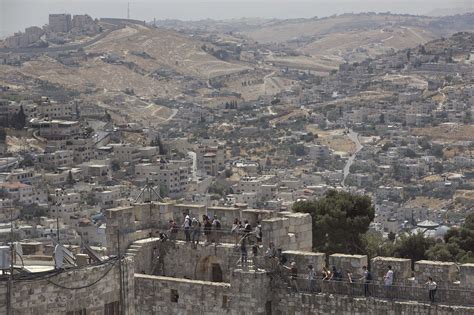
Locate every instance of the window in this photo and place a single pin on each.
(112, 308)
(174, 296)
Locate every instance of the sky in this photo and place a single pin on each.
(15, 15)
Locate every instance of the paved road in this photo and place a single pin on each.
(355, 138)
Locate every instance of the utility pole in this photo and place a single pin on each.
(119, 255)
(10, 278)
(57, 227)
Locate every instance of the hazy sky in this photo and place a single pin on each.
(17, 14)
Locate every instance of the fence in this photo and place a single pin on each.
(374, 289)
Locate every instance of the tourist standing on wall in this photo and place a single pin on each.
(432, 287)
(187, 227)
(216, 224)
(196, 228)
(207, 229)
(236, 226)
(293, 274)
(367, 278)
(243, 252)
(173, 230)
(326, 274)
(388, 280)
(311, 279)
(258, 232)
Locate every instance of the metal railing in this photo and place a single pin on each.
(375, 289)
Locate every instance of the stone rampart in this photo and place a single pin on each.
(91, 289)
(165, 295)
(293, 304)
(444, 273)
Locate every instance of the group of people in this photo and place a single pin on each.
(211, 227)
(242, 233)
(193, 229)
(337, 275)
(275, 258)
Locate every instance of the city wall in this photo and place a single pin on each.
(291, 231)
(41, 296)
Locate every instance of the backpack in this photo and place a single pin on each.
(248, 228)
(369, 276)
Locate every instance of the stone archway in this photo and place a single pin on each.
(209, 269)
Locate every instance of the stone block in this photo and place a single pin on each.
(352, 263)
(443, 273)
(466, 276)
(400, 266)
(305, 258)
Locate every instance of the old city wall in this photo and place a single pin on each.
(125, 225)
(246, 293)
(266, 292)
(32, 297)
(289, 304)
(180, 260)
(255, 292)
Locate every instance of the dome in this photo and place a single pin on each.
(427, 224)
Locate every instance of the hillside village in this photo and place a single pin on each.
(226, 125)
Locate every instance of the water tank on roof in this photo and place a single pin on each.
(5, 257)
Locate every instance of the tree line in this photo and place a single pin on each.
(341, 225)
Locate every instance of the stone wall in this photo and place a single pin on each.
(247, 293)
(43, 297)
(164, 295)
(352, 263)
(303, 259)
(400, 266)
(466, 272)
(292, 304)
(291, 231)
(443, 273)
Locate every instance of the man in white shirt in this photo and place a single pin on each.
(432, 287)
(388, 280)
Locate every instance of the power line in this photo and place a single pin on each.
(85, 286)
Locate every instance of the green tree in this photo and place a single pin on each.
(339, 221)
(115, 165)
(375, 245)
(459, 242)
(443, 252)
(3, 135)
(158, 143)
(409, 153)
(70, 179)
(437, 150)
(413, 246)
(438, 167)
(297, 149)
(19, 120)
(391, 236)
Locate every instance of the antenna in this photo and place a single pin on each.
(151, 192)
(128, 11)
